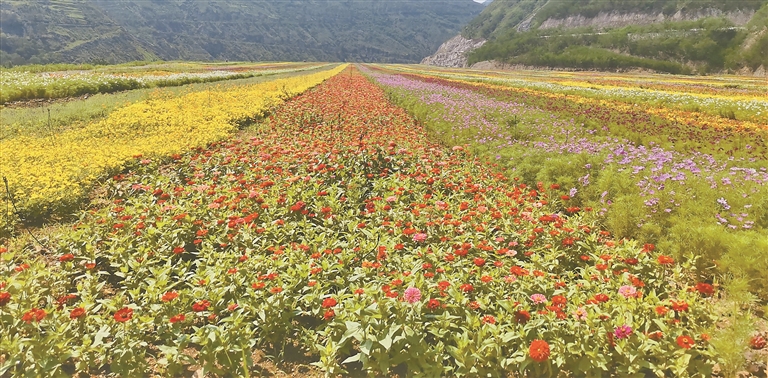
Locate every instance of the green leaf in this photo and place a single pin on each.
(100, 335)
(354, 358)
(386, 342)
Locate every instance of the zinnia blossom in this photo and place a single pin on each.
(685, 342)
(705, 289)
(169, 296)
(628, 291)
(622, 332)
(412, 295)
(538, 298)
(124, 314)
(35, 314)
(201, 305)
(420, 237)
(329, 302)
(539, 350)
(5, 297)
(178, 318)
(76, 313)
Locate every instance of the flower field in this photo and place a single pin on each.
(680, 183)
(51, 175)
(20, 85)
(339, 225)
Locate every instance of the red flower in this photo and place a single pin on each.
(522, 316)
(201, 305)
(559, 300)
(178, 250)
(705, 289)
(329, 315)
(35, 314)
(66, 257)
(5, 297)
(433, 304)
(661, 310)
(124, 314)
(329, 302)
(258, 285)
(685, 342)
(679, 306)
(275, 289)
(77, 313)
(601, 298)
(665, 260)
(489, 319)
(467, 288)
(539, 350)
(757, 342)
(169, 296)
(658, 335)
(479, 261)
(178, 318)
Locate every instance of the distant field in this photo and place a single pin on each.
(65, 80)
(388, 220)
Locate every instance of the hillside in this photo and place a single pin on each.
(677, 36)
(314, 30)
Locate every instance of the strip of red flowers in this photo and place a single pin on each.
(339, 222)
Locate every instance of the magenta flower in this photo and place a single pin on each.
(412, 295)
(420, 237)
(622, 332)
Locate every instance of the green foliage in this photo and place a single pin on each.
(590, 8)
(110, 31)
(708, 45)
(711, 43)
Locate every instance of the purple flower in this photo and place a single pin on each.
(622, 332)
(412, 295)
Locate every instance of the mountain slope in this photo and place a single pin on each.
(678, 36)
(324, 30)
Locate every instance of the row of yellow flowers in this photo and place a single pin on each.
(52, 175)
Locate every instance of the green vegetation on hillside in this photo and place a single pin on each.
(709, 45)
(704, 45)
(591, 8)
(98, 31)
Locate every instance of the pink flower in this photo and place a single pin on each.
(580, 313)
(622, 332)
(538, 298)
(412, 295)
(420, 237)
(628, 291)
(391, 199)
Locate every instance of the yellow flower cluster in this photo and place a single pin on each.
(52, 175)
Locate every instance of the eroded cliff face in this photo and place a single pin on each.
(615, 19)
(453, 53)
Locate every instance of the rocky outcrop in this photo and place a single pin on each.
(453, 53)
(616, 19)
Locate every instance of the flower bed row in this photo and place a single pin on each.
(340, 227)
(52, 175)
(685, 201)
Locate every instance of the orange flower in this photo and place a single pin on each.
(77, 313)
(539, 350)
(685, 342)
(124, 314)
